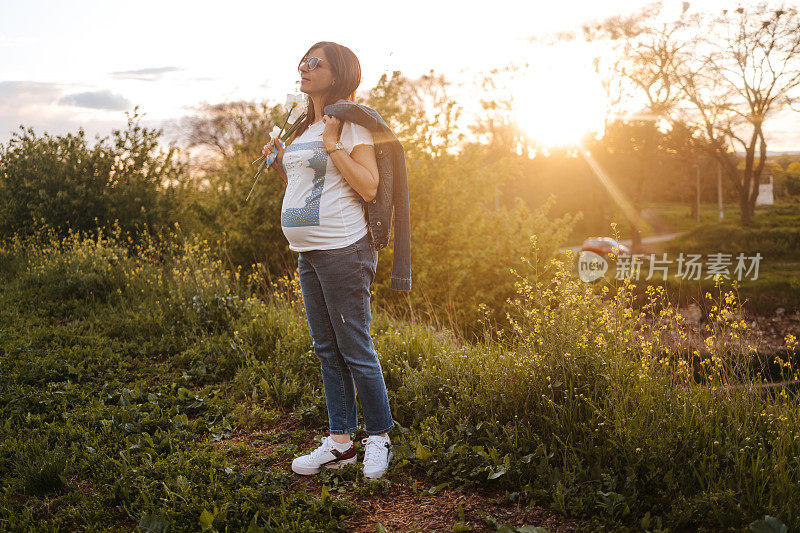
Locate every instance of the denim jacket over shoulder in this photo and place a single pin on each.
(392, 195)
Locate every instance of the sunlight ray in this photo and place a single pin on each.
(616, 193)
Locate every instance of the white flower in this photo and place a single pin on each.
(275, 132)
(299, 99)
(296, 105)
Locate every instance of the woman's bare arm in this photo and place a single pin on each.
(360, 169)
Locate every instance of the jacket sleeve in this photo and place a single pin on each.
(401, 263)
(353, 113)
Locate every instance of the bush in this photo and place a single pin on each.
(63, 183)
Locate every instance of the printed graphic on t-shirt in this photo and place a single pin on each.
(320, 210)
(308, 215)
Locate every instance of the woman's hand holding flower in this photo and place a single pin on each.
(277, 164)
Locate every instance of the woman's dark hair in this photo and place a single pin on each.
(346, 71)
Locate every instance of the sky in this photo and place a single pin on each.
(84, 63)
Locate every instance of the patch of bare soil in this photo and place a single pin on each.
(405, 508)
(771, 331)
(767, 334)
(407, 504)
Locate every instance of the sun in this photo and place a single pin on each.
(559, 99)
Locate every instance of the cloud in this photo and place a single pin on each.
(40, 105)
(14, 94)
(144, 74)
(26, 103)
(104, 99)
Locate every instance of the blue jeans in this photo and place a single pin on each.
(335, 285)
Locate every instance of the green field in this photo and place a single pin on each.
(155, 389)
(150, 396)
(674, 218)
(774, 234)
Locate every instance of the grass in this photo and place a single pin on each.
(776, 286)
(774, 234)
(133, 366)
(659, 217)
(671, 217)
(110, 388)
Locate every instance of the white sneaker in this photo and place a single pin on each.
(377, 454)
(325, 455)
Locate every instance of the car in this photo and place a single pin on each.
(605, 247)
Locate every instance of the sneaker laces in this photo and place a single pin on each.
(327, 444)
(373, 450)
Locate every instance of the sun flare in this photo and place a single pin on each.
(559, 99)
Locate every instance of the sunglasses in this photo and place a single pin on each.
(311, 63)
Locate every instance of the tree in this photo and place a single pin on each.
(214, 131)
(643, 69)
(420, 112)
(751, 68)
(733, 72)
(463, 241)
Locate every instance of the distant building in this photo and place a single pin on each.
(765, 196)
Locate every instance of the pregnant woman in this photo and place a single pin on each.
(327, 167)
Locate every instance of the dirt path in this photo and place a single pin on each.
(653, 239)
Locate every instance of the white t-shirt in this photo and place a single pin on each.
(320, 210)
